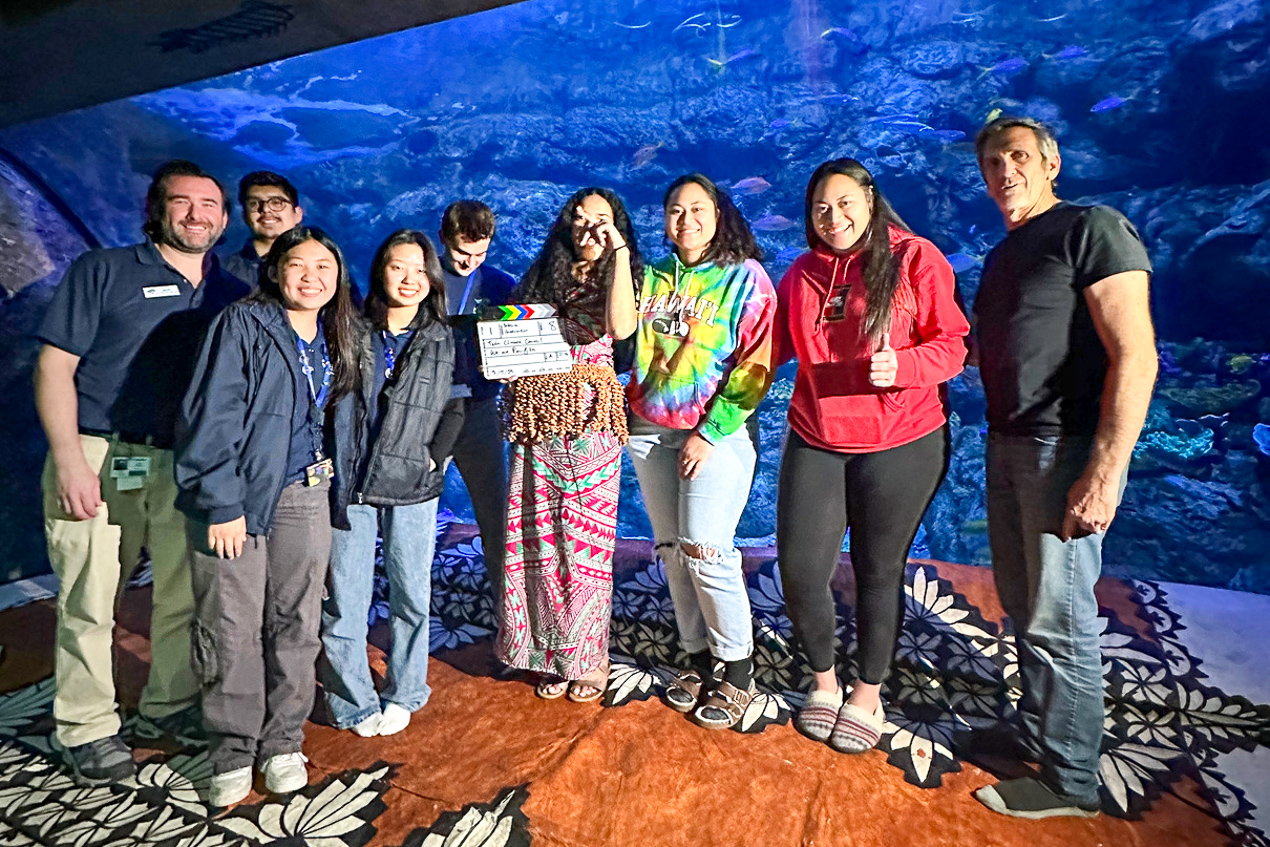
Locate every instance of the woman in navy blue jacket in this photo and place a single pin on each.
(391, 441)
(254, 472)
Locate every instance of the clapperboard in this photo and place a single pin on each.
(520, 341)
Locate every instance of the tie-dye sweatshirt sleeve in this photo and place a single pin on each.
(703, 357)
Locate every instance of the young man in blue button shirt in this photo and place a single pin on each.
(271, 206)
(120, 337)
(467, 228)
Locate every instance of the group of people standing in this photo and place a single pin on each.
(300, 432)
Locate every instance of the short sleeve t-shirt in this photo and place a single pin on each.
(1042, 363)
(136, 323)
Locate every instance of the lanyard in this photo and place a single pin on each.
(467, 291)
(390, 358)
(317, 395)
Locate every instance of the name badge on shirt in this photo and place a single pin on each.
(152, 291)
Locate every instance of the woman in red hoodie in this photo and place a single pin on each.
(871, 315)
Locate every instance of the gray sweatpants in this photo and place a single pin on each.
(256, 622)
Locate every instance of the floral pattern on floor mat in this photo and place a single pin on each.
(954, 671)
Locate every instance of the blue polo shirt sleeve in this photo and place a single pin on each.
(74, 313)
(213, 426)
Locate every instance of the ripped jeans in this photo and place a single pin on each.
(694, 521)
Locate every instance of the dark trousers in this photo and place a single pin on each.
(478, 453)
(256, 625)
(881, 496)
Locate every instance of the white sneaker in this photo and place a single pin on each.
(285, 773)
(368, 727)
(395, 719)
(228, 788)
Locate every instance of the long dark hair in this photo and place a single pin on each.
(733, 241)
(433, 306)
(550, 277)
(881, 270)
(338, 316)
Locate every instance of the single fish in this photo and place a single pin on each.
(944, 136)
(993, 115)
(562, 18)
(1074, 51)
(976, 526)
(644, 25)
(645, 154)
(1241, 363)
(963, 261)
(773, 223)
(837, 99)
(1261, 435)
(689, 22)
(751, 185)
(1051, 20)
(738, 56)
(1108, 103)
(845, 32)
(727, 22)
(910, 127)
(902, 116)
(779, 124)
(1006, 67)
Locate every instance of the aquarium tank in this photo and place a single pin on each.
(1160, 109)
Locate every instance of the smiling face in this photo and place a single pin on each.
(268, 212)
(1018, 178)
(405, 278)
(841, 209)
(587, 216)
(307, 276)
(194, 215)
(463, 256)
(691, 221)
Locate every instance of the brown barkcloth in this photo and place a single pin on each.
(642, 774)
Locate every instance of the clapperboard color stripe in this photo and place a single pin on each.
(521, 340)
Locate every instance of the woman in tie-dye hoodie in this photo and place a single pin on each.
(703, 362)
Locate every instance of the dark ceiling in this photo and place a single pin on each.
(59, 55)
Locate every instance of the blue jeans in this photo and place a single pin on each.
(1046, 586)
(712, 605)
(409, 541)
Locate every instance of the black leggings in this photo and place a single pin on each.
(882, 497)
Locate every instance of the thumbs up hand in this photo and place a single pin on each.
(883, 366)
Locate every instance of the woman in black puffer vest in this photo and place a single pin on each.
(392, 439)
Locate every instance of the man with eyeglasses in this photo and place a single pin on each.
(271, 206)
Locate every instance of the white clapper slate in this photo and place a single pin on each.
(522, 347)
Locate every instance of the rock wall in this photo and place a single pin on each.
(1159, 108)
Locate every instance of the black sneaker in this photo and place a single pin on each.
(1029, 798)
(185, 727)
(1001, 740)
(99, 762)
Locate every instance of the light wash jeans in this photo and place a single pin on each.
(1046, 586)
(410, 534)
(712, 605)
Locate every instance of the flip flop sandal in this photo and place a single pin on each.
(588, 690)
(683, 691)
(551, 687)
(724, 706)
(817, 717)
(856, 731)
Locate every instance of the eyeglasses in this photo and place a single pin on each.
(273, 204)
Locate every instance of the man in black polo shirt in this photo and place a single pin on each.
(120, 339)
(1067, 354)
(271, 206)
(467, 228)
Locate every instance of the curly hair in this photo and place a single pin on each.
(551, 275)
(881, 269)
(733, 241)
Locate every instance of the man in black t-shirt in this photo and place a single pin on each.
(120, 338)
(1065, 346)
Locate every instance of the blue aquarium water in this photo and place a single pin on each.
(1159, 108)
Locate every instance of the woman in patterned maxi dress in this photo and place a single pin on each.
(567, 432)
